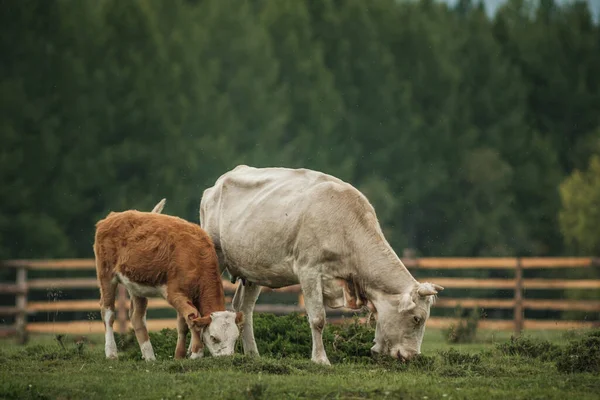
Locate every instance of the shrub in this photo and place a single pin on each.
(285, 336)
(581, 356)
(453, 357)
(466, 329)
(163, 343)
(527, 347)
(290, 336)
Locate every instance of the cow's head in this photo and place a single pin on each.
(401, 321)
(220, 330)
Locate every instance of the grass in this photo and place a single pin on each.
(494, 367)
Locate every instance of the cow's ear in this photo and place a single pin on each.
(406, 302)
(239, 318)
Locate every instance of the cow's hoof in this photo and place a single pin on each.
(148, 359)
(321, 361)
(195, 356)
(112, 357)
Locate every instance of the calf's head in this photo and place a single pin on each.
(220, 330)
(401, 321)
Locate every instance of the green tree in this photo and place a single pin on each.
(580, 213)
(311, 133)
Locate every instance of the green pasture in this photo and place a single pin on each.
(493, 367)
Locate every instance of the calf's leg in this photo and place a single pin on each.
(312, 289)
(184, 307)
(196, 349)
(244, 300)
(138, 320)
(108, 289)
(182, 330)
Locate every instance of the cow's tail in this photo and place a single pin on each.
(159, 207)
(237, 297)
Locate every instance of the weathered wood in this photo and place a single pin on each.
(9, 288)
(556, 262)
(425, 263)
(518, 310)
(561, 284)
(475, 283)
(21, 304)
(81, 263)
(565, 305)
(63, 283)
(4, 310)
(440, 323)
(470, 263)
(470, 303)
(7, 331)
(89, 327)
(559, 325)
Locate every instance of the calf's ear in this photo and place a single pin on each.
(239, 318)
(201, 322)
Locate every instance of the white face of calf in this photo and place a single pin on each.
(401, 322)
(220, 331)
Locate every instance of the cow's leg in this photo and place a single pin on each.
(244, 301)
(182, 330)
(138, 320)
(108, 290)
(312, 289)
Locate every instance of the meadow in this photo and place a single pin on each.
(538, 365)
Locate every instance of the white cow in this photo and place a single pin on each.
(277, 227)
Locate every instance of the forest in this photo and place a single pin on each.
(471, 135)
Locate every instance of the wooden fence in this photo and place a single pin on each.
(23, 286)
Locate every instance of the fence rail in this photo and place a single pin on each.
(22, 286)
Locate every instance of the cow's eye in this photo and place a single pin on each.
(417, 319)
(214, 339)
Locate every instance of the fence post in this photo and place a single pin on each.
(122, 309)
(518, 311)
(301, 299)
(21, 303)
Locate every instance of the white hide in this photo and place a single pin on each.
(147, 351)
(277, 227)
(110, 346)
(222, 333)
(136, 289)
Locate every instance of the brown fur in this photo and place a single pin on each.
(153, 249)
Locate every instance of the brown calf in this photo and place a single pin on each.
(156, 255)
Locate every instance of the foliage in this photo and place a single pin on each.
(527, 347)
(453, 357)
(582, 355)
(580, 215)
(465, 330)
(458, 127)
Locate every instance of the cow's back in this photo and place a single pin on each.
(247, 190)
(266, 219)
